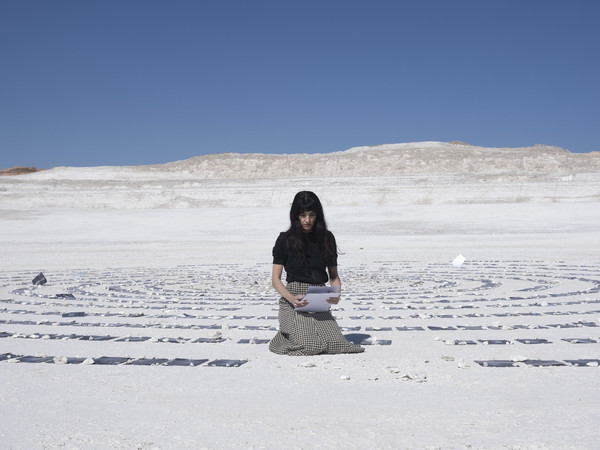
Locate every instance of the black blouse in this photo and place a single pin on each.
(314, 272)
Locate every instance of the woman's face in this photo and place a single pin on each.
(307, 220)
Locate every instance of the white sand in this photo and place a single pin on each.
(531, 272)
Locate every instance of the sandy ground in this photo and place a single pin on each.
(194, 284)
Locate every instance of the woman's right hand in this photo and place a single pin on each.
(297, 301)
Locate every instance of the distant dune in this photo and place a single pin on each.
(412, 173)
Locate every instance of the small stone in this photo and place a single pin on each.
(408, 376)
(307, 364)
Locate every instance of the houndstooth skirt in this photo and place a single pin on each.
(303, 334)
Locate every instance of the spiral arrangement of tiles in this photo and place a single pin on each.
(483, 303)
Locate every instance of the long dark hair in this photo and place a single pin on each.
(308, 201)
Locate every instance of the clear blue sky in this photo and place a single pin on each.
(128, 82)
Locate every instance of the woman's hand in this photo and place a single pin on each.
(297, 301)
(333, 300)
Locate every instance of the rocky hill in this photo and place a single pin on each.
(392, 160)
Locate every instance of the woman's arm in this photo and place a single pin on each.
(334, 280)
(295, 300)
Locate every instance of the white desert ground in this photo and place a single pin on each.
(152, 328)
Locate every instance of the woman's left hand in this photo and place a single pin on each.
(333, 300)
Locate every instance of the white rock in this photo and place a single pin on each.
(408, 376)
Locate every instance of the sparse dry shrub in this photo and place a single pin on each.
(18, 170)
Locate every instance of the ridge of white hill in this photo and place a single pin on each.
(392, 174)
(375, 161)
(391, 160)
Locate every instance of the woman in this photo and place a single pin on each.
(308, 253)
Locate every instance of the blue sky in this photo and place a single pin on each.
(128, 82)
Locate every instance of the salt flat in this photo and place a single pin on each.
(174, 307)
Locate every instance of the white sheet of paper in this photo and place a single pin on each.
(317, 296)
(458, 261)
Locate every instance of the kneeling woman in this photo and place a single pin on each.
(308, 253)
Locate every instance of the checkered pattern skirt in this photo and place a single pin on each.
(303, 334)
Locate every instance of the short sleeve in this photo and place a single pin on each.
(280, 250)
